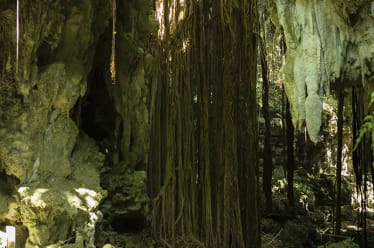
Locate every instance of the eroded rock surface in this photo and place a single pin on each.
(51, 173)
(328, 42)
(57, 89)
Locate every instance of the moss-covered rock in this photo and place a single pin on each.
(58, 209)
(51, 183)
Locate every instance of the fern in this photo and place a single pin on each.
(367, 126)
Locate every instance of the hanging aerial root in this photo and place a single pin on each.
(113, 55)
(197, 177)
(17, 36)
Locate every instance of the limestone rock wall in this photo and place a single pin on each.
(50, 169)
(44, 161)
(329, 45)
(126, 136)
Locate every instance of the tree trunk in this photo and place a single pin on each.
(267, 153)
(204, 129)
(339, 163)
(361, 159)
(290, 156)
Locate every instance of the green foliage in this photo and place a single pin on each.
(305, 195)
(367, 128)
(348, 243)
(296, 234)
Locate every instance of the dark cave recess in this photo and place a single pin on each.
(128, 224)
(97, 111)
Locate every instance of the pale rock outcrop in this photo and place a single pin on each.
(329, 45)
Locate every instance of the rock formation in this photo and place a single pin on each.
(329, 43)
(55, 89)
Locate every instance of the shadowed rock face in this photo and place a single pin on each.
(328, 43)
(51, 168)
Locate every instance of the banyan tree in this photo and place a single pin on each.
(202, 172)
(135, 123)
